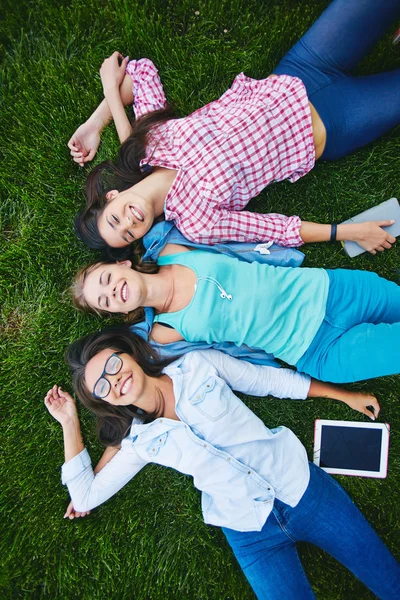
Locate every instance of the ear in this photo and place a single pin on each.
(111, 195)
(124, 263)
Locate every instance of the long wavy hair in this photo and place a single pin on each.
(78, 283)
(113, 422)
(119, 175)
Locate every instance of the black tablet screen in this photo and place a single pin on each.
(351, 448)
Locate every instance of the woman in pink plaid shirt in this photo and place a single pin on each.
(200, 171)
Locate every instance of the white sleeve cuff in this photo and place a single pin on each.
(75, 466)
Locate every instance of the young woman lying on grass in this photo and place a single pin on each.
(200, 171)
(256, 483)
(335, 325)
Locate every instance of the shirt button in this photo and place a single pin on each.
(228, 458)
(208, 385)
(198, 396)
(248, 472)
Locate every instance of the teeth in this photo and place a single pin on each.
(136, 214)
(124, 292)
(126, 385)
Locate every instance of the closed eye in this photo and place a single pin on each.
(115, 218)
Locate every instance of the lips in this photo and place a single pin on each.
(126, 386)
(124, 292)
(139, 216)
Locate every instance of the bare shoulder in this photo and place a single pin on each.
(173, 249)
(164, 335)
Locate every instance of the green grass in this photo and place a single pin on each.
(148, 541)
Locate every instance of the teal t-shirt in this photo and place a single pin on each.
(278, 309)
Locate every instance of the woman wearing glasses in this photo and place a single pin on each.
(256, 483)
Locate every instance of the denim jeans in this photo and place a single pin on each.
(359, 337)
(326, 517)
(354, 110)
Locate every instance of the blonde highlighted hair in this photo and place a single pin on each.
(78, 296)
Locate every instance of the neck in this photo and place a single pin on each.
(159, 290)
(163, 392)
(155, 188)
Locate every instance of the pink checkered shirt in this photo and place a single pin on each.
(258, 132)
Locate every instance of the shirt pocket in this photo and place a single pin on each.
(210, 400)
(159, 451)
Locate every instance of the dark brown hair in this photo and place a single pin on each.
(113, 422)
(119, 175)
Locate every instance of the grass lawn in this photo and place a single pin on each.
(149, 541)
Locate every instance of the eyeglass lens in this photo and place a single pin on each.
(112, 367)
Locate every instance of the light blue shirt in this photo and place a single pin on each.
(238, 464)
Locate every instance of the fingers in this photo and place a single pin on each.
(371, 407)
(74, 144)
(369, 414)
(90, 156)
(374, 402)
(386, 223)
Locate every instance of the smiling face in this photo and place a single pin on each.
(129, 386)
(115, 288)
(126, 217)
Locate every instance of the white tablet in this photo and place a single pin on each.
(390, 209)
(352, 447)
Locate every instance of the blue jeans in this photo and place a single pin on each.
(326, 517)
(359, 337)
(354, 110)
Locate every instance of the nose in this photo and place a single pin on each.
(115, 380)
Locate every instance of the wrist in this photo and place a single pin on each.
(348, 231)
(70, 423)
(101, 116)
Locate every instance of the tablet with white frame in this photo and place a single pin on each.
(352, 447)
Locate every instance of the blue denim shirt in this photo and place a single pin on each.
(239, 464)
(166, 233)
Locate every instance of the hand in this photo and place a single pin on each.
(358, 401)
(60, 405)
(85, 142)
(372, 237)
(71, 513)
(112, 72)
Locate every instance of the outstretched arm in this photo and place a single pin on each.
(62, 407)
(285, 383)
(368, 235)
(86, 489)
(107, 455)
(244, 226)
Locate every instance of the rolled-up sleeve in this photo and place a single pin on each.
(88, 490)
(259, 380)
(148, 91)
(241, 226)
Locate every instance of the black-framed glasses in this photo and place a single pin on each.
(113, 366)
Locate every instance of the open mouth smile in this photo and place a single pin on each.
(139, 216)
(126, 385)
(124, 292)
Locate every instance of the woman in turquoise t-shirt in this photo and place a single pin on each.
(335, 325)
